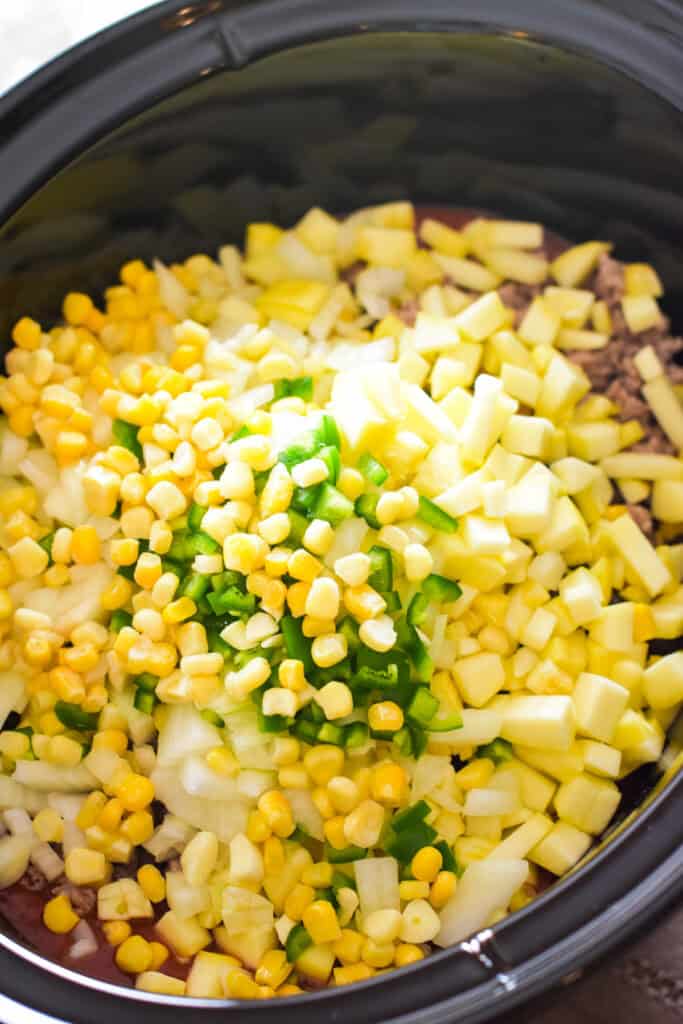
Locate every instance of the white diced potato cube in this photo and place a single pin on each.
(464, 496)
(663, 681)
(600, 758)
(536, 790)
(563, 385)
(467, 273)
(574, 265)
(529, 504)
(573, 305)
(479, 677)
(587, 802)
(634, 547)
(425, 417)
(493, 495)
(667, 501)
(489, 802)
(566, 529)
(561, 848)
(479, 726)
(571, 340)
(526, 267)
(574, 474)
(490, 410)
(524, 838)
(434, 334)
(528, 435)
(520, 383)
(538, 629)
(582, 596)
(503, 465)
(562, 765)
(643, 466)
(613, 627)
(641, 312)
(548, 569)
(512, 234)
(457, 405)
(540, 324)
(483, 317)
(547, 722)
(593, 441)
(599, 704)
(485, 536)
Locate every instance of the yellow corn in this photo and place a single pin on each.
(385, 716)
(476, 774)
(134, 955)
(135, 792)
(116, 932)
(275, 808)
(389, 783)
(298, 900)
(152, 883)
(138, 827)
(426, 864)
(323, 762)
(355, 972)
(48, 825)
(442, 889)
(110, 816)
(320, 921)
(406, 954)
(59, 916)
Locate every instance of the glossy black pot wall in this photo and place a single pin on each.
(167, 134)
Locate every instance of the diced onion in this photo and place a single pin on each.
(85, 942)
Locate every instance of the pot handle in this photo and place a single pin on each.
(13, 1013)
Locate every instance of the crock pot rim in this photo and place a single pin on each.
(235, 22)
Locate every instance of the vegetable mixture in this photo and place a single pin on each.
(324, 635)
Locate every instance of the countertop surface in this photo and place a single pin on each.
(640, 985)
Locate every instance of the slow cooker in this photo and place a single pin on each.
(167, 133)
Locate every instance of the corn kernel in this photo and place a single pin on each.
(363, 825)
(335, 833)
(406, 953)
(352, 973)
(110, 816)
(134, 955)
(336, 700)
(48, 825)
(378, 634)
(363, 602)
(383, 926)
(135, 792)
(298, 900)
(116, 932)
(353, 569)
(442, 889)
(426, 864)
(180, 610)
(411, 889)
(386, 716)
(138, 827)
(223, 762)
(152, 883)
(117, 594)
(303, 566)
(320, 921)
(59, 916)
(86, 867)
(389, 782)
(26, 334)
(323, 762)
(376, 954)
(476, 774)
(277, 811)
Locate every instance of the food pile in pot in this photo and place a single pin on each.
(329, 575)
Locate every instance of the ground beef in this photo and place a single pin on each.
(612, 371)
(408, 312)
(643, 518)
(33, 879)
(83, 899)
(518, 297)
(350, 273)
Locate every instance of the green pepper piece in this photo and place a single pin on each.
(381, 575)
(372, 469)
(435, 517)
(297, 943)
(366, 507)
(73, 716)
(439, 588)
(331, 505)
(126, 434)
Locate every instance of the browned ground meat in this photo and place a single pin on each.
(518, 297)
(83, 900)
(350, 273)
(33, 879)
(612, 371)
(408, 312)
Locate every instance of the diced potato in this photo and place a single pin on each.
(185, 937)
(667, 501)
(514, 234)
(639, 554)
(540, 324)
(574, 265)
(614, 627)
(561, 848)
(425, 417)
(573, 305)
(489, 412)
(209, 974)
(386, 247)
(524, 838)
(599, 704)
(587, 802)
(485, 887)
(593, 441)
(570, 339)
(666, 406)
(529, 503)
(528, 435)
(483, 317)
(318, 230)
(521, 384)
(561, 765)
(443, 238)
(547, 722)
(479, 677)
(563, 386)
(468, 273)
(601, 759)
(536, 790)
(566, 529)
(485, 536)
(516, 265)
(643, 466)
(642, 279)
(663, 681)
(582, 596)
(641, 312)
